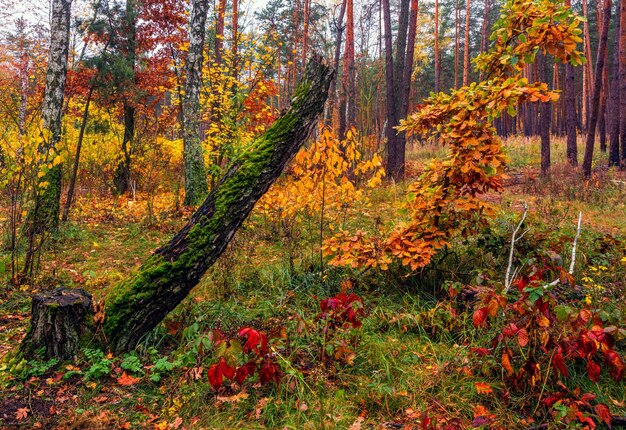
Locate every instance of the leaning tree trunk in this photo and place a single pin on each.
(196, 187)
(138, 304)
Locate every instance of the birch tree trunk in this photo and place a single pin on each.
(44, 216)
(196, 187)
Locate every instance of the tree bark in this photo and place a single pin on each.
(622, 80)
(219, 31)
(196, 186)
(614, 98)
(59, 319)
(466, 50)
(436, 49)
(332, 102)
(138, 304)
(122, 179)
(545, 119)
(597, 89)
(44, 216)
(570, 112)
(79, 145)
(347, 111)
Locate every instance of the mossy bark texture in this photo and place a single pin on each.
(138, 304)
(45, 214)
(58, 323)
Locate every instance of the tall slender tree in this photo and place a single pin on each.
(597, 88)
(614, 98)
(196, 187)
(466, 47)
(436, 49)
(570, 111)
(44, 216)
(622, 81)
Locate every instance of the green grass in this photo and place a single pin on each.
(411, 356)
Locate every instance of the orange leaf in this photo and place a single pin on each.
(483, 388)
(127, 380)
(522, 337)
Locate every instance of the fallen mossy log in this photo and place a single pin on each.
(138, 304)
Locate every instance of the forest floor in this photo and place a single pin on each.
(417, 361)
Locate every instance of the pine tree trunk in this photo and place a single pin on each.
(466, 48)
(570, 112)
(545, 119)
(332, 101)
(390, 132)
(436, 49)
(196, 187)
(597, 89)
(457, 35)
(138, 304)
(614, 99)
(622, 80)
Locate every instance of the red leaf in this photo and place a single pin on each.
(593, 371)
(215, 376)
(559, 363)
(522, 337)
(256, 341)
(480, 317)
(603, 412)
(269, 371)
(244, 371)
(510, 330)
(481, 352)
(615, 364)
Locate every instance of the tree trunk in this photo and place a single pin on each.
(622, 81)
(44, 216)
(570, 112)
(138, 304)
(305, 32)
(457, 35)
(219, 31)
(59, 319)
(597, 89)
(545, 119)
(348, 90)
(466, 50)
(332, 101)
(79, 145)
(196, 187)
(614, 98)
(587, 69)
(390, 132)
(436, 53)
(122, 179)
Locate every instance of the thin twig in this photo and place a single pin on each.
(508, 279)
(573, 262)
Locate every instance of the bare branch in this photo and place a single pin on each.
(508, 279)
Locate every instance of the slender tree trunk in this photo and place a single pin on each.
(391, 107)
(332, 102)
(570, 112)
(597, 89)
(622, 81)
(44, 216)
(545, 118)
(587, 69)
(196, 187)
(348, 90)
(484, 36)
(138, 304)
(457, 43)
(235, 35)
(219, 31)
(436, 53)
(305, 32)
(614, 98)
(122, 179)
(79, 145)
(603, 96)
(466, 48)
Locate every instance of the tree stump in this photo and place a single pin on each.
(58, 322)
